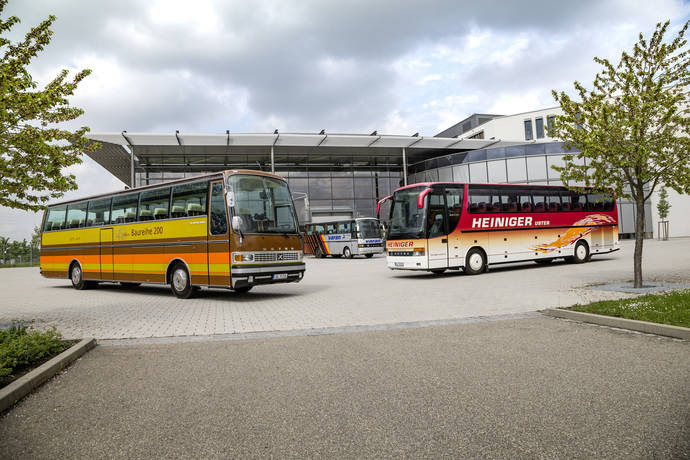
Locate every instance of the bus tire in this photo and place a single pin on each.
(581, 253)
(437, 271)
(180, 282)
(76, 275)
(475, 262)
(368, 256)
(347, 253)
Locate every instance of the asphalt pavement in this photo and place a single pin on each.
(517, 388)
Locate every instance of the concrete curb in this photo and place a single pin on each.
(26, 384)
(634, 325)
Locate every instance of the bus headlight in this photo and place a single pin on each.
(242, 257)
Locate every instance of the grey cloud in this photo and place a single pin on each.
(272, 51)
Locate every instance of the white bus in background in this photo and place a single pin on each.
(344, 238)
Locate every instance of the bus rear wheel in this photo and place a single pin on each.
(581, 253)
(475, 262)
(347, 253)
(180, 282)
(368, 256)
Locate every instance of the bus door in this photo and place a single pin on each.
(218, 237)
(454, 202)
(437, 232)
(106, 254)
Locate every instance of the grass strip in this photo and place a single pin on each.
(671, 308)
(21, 348)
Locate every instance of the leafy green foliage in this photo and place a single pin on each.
(33, 147)
(632, 127)
(21, 347)
(19, 251)
(663, 206)
(669, 308)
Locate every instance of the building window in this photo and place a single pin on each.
(550, 120)
(479, 135)
(528, 130)
(540, 127)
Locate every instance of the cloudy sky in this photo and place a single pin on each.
(399, 67)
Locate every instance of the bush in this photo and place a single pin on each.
(20, 347)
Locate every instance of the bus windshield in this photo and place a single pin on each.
(407, 220)
(263, 203)
(368, 228)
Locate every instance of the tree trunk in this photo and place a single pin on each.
(639, 240)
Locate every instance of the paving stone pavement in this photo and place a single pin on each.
(334, 293)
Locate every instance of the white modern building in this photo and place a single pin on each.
(532, 128)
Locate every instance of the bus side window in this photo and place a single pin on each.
(319, 229)
(76, 215)
(99, 212)
(553, 201)
(478, 199)
(124, 208)
(189, 200)
(525, 202)
(509, 202)
(539, 200)
(155, 204)
(55, 220)
(309, 229)
(344, 227)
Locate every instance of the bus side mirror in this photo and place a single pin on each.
(236, 223)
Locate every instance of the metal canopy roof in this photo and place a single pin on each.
(114, 155)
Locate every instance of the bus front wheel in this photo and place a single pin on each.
(76, 275)
(347, 253)
(180, 283)
(475, 262)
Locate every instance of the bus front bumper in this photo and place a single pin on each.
(252, 275)
(410, 262)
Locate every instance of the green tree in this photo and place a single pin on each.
(633, 126)
(33, 147)
(663, 206)
(4, 246)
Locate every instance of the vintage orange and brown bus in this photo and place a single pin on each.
(440, 226)
(231, 229)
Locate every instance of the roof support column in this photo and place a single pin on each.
(404, 158)
(273, 161)
(131, 167)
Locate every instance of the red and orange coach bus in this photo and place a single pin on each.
(440, 226)
(232, 229)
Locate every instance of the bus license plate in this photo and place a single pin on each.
(399, 264)
(280, 276)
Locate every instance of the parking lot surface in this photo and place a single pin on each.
(334, 293)
(529, 388)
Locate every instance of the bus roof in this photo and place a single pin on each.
(208, 176)
(429, 184)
